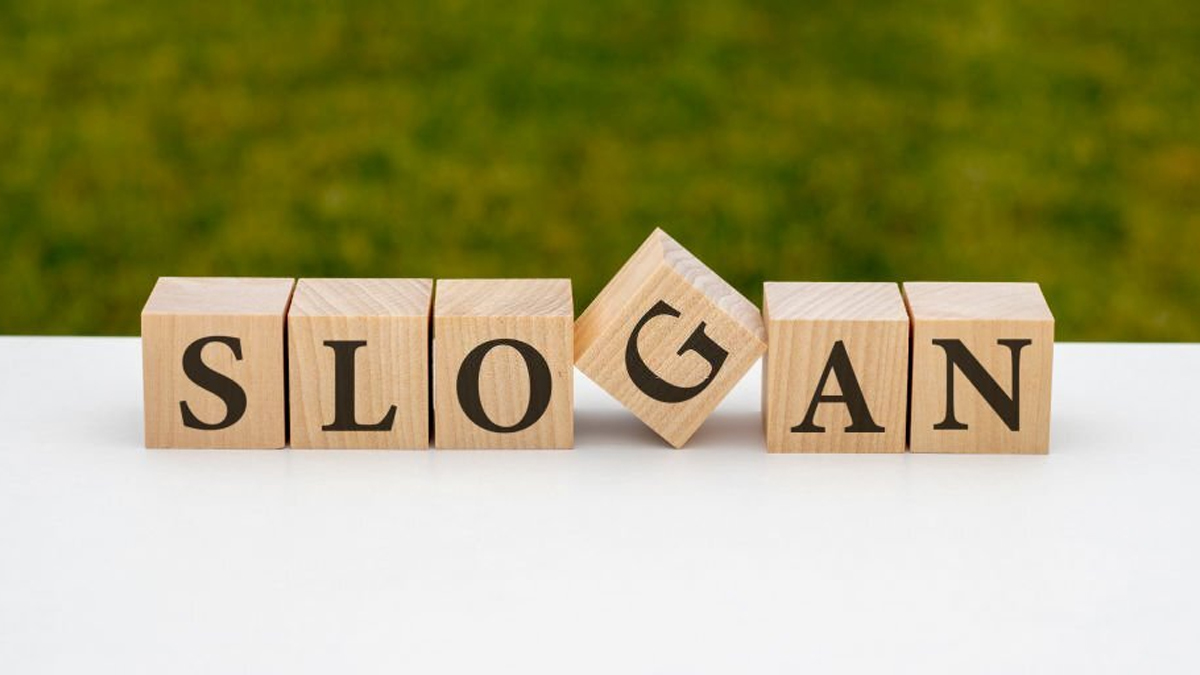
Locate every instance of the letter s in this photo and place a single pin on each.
(226, 389)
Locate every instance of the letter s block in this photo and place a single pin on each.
(358, 363)
(835, 378)
(982, 358)
(213, 362)
(503, 374)
(668, 338)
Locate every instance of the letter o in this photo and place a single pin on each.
(539, 385)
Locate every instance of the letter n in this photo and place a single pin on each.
(1006, 406)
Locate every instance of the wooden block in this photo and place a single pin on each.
(213, 362)
(502, 364)
(358, 363)
(982, 358)
(835, 377)
(668, 338)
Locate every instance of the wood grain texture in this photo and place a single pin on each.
(391, 369)
(980, 314)
(977, 301)
(471, 312)
(663, 270)
(804, 323)
(180, 311)
(408, 298)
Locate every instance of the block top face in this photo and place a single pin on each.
(720, 292)
(834, 301)
(504, 297)
(965, 301)
(242, 296)
(362, 297)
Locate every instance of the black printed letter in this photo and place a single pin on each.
(1008, 408)
(654, 386)
(226, 389)
(343, 390)
(860, 416)
(539, 385)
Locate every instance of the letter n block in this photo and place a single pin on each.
(503, 374)
(668, 338)
(358, 362)
(982, 358)
(835, 378)
(213, 362)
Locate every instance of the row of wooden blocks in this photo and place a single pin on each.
(390, 363)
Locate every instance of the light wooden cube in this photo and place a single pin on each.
(213, 362)
(668, 338)
(503, 374)
(835, 377)
(358, 362)
(982, 359)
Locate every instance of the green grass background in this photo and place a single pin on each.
(1048, 140)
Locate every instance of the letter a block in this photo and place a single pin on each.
(668, 338)
(836, 376)
(358, 362)
(213, 362)
(982, 359)
(503, 375)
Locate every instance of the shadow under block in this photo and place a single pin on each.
(835, 378)
(503, 372)
(358, 363)
(668, 338)
(213, 362)
(993, 345)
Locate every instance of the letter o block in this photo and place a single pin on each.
(668, 338)
(835, 378)
(358, 362)
(503, 374)
(982, 360)
(213, 362)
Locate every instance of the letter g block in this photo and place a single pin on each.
(212, 362)
(668, 338)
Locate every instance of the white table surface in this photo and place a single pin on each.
(622, 556)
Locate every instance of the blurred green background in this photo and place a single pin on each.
(1048, 140)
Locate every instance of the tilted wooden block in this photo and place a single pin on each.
(358, 362)
(982, 357)
(502, 364)
(835, 376)
(213, 362)
(668, 338)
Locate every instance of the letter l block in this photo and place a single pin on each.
(213, 362)
(358, 362)
(668, 338)
(982, 359)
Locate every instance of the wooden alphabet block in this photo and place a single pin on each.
(503, 374)
(212, 362)
(835, 376)
(358, 362)
(981, 367)
(668, 338)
